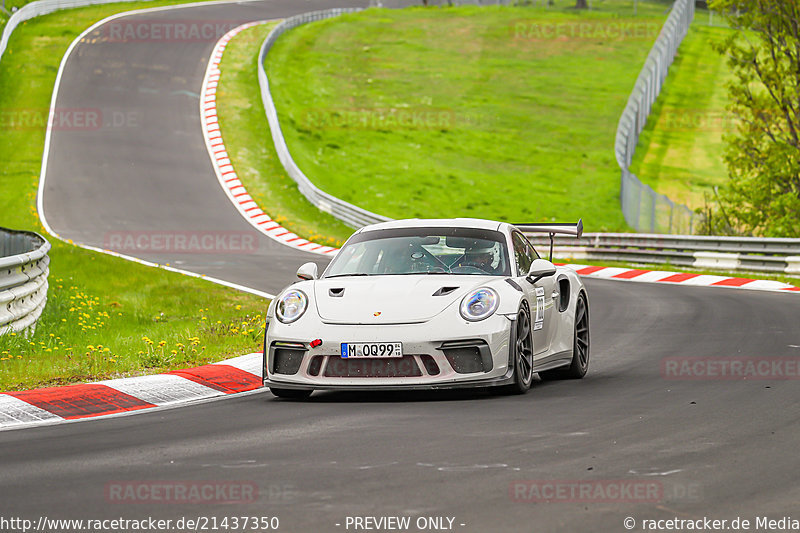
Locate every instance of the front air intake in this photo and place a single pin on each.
(469, 356)
(286, 358)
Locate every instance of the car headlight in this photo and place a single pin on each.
(291, 306)
(479, 304)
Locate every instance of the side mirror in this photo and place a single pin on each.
(307, 271)
(540, 268)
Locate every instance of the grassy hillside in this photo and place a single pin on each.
(496, 112)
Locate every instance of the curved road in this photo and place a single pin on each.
(129, 171)
(683, 449)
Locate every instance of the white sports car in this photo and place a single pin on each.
(429, 304)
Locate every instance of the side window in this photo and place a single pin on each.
(522, 253)
(532, 253)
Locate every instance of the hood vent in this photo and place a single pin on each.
(444, 291)
(336, 293)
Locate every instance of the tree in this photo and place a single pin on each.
(581, 4)
(762, 196)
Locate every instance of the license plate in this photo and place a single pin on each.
(352, 350)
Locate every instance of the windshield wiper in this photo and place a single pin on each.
(345, 275)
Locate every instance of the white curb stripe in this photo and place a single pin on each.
(250, 363)
(15, 412)
(162, 389)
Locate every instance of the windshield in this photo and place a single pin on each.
(463, 251)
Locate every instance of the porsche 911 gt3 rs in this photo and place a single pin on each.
(429, 304)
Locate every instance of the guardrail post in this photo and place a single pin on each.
(793, 264)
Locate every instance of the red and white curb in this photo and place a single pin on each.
(681, 278)
(117, 396)
(223, 167)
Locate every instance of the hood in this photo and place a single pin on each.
(395, 299)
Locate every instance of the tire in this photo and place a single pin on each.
(580, 346)
(522, 346)
(291, 394)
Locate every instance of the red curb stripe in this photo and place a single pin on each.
(81, 401)
(733, 282)
(224, 378)
(589, 270)
(631, 274)
(677, 278)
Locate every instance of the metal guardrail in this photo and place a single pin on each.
(23, 278)
(749, 254)
(346, 212)
(43, 7)
(643, 208)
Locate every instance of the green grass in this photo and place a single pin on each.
(680, 152)
(249, 145)
(101, 310)
(507, 122)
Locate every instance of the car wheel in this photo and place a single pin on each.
(291, 394)
(580, 346)
(522, 345)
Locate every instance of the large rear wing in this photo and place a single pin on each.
(553, 228)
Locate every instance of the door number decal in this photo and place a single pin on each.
(539, 320)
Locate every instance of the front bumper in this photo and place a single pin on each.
(428, 363)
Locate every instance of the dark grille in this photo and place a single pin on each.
(287, 360)
(465, 360)
(430, 365)
(315, 365)
(395, 367)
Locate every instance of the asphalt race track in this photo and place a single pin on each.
(707, 447)
(145, 170)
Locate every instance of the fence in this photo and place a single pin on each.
(750, 254)
(23, 279)
(645, 209)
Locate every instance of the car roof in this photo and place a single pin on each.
(473, 223)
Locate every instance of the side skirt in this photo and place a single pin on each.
(552, 361)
